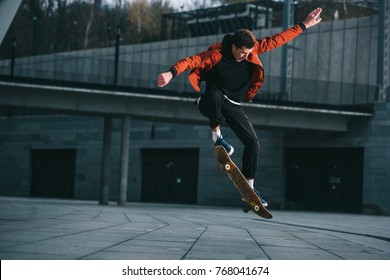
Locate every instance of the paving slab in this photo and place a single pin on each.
(40, 229)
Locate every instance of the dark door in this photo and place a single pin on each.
(327, 179)
(170, 175)
(53, 173)
(335, 187)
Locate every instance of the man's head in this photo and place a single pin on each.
(243, 42)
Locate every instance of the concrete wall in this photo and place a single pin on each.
(372, 135)
(18, 135)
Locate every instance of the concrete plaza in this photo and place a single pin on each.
(36, 229)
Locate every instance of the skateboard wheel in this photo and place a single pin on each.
(256, 208)
(227, 166)
(245, 209)
(218, 168)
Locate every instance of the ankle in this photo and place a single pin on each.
(251, 182)
(215, 135)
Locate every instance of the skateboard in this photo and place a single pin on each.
(226, 164)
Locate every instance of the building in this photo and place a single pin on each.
(303, 164)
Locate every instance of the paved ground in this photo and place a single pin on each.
(70, 229)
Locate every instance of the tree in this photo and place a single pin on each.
(144, 20)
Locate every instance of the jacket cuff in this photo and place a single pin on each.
(173, 71)
(302, 25)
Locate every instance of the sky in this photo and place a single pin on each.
(179, 5)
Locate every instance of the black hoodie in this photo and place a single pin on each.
(229, 74)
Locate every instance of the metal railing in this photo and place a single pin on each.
(100, 71)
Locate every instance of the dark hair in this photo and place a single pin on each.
(244, 37)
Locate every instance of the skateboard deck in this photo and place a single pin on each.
(240, 182)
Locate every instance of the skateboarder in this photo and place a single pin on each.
(233, 74)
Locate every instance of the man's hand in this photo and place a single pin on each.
(313, 18)
(164, 78)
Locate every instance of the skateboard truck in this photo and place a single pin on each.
(255, 207)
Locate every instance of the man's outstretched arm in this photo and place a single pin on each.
(271, 42)
(179, 67)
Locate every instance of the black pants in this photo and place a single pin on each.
(218, 109)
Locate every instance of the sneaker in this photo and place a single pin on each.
(221, 142)
(263, 202)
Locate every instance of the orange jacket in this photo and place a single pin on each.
(204, 61)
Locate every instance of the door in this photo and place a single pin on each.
(335, 188)
(53, 173)
(170, 175)
(325, 179)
